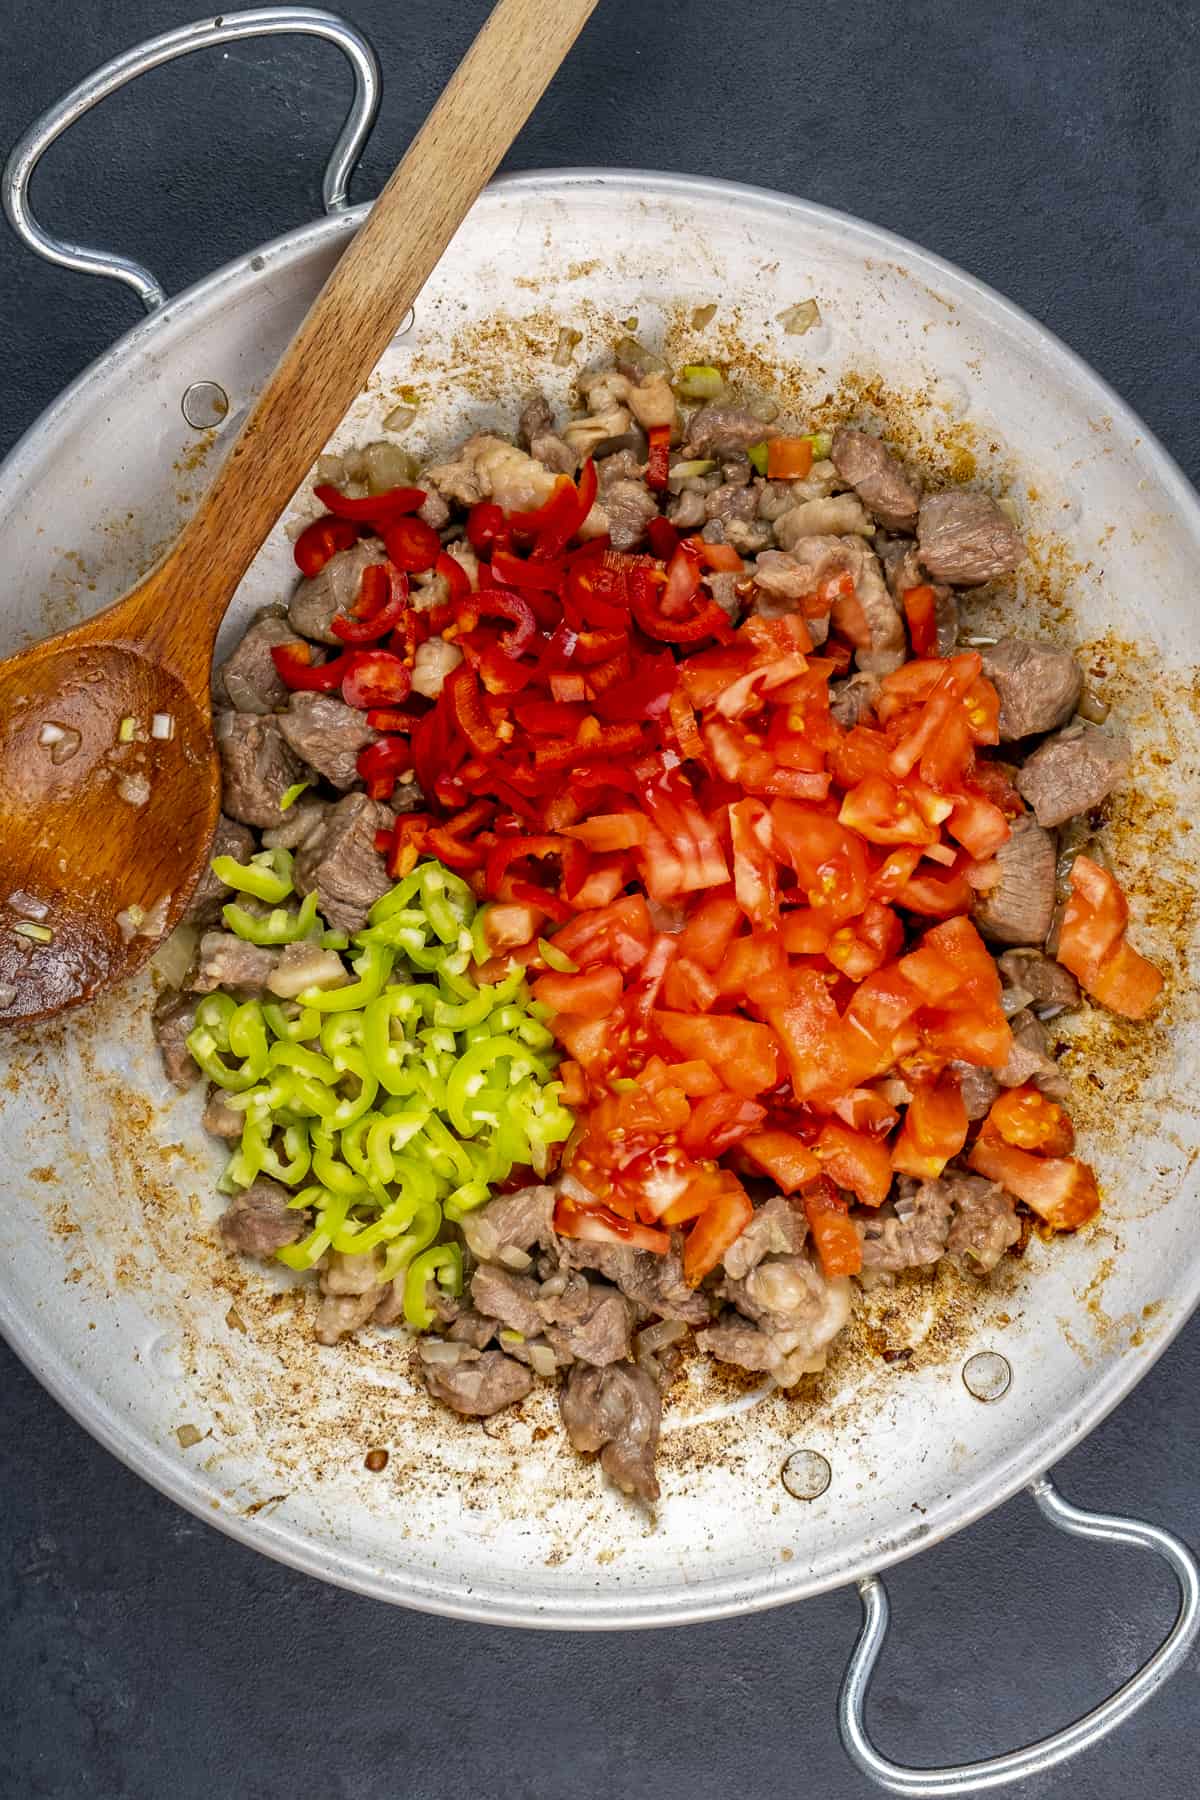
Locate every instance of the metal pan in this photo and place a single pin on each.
(949, 1395)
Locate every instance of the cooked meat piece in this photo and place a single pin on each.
(978, 1086)
(480, 1386)
(915, 1237)
(720, 430)
(350, 1272)
(966, 539)
(945, 614)
(1020, 908)
(390, 1309)
(776, 1229)
(257, 767)
(797, 1307)
(1045, 981)
(328, 735)
(306, 965)
(731, 501)
(1039, 685)
(488, 468)
(734, 1340)
(248, 679)
(538, 435)
(877, 477)
(654, 1283)
(738, 471)
(686, 510)
(341, 1315)
(510, 1298)
(901, 565)
(472, 1328)
(228, 961)
(622, 465)
(342, 863)
(841, 515)
(174, 1016)
(748, 536)
(409, 796)
(302, 820)
(601, 389)
(434, 510)
(1030, 1059)
(599, 1333)
(628, 507)
(985, 1222)
(229, 839)
(616, 1410)
(888, 644)
(783, 579)
(778, 497)
(334, 590)
(850, 701)
(220, 1118)
(652, 403)
(259, 1221)
(434, 660)
(507, 1228)
(722, 585)
(1073, 771)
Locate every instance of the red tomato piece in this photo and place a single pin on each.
(979, 826)
(1032, 1121)
(742, 1051)
(1093, 946)
(1060, 1189)
(838, 1244)
(601, 1225)
(592, 995)
(855, 1161)
(934, 1129)
(619, 933)
(830, 861)
(754, 878)
(689, 987)
(710, 929)
(718, 1228)
(783, 1156)
(920, 610)
(719, 1122)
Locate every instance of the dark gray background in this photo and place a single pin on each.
(1051, 150)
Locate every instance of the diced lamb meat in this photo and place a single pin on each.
(538, 435)
(748, 536)
(328, 735)
(985, 1222)
(601, 389)
(341, 1315)
(390, 1310)
(798, 1309)
(1019, 909)
(302, 820)
(654, 1283)
(512, 1299)
(229, 961)
(720, 430)
(734, 1340)
(945, 617)
(1039, 685)
(616, 1410)
(335, 590)
(350, 1272)
(652, 402)
(1046, 982)
(686, 510)
(776, 1229)
(508, 1227)
(488, 468)
(877, 477)
(220, 1118)
(731, 501)
(1030, 1058)
(434, 510)
(601, 434)
(472, 1328)
(257, 767)
(342, 864)
(628, 507)
(915, 1238)
(259, 1221)
(784, 577)
(1073, 771)
(248, 680)
(477, 1386)
(841, 515)
(598, 1334)
(851, 700)
(722, 584)
(901, 565)
(778, 497)
(882, 645)
(966, 539)
(174, 1016)
(978, 1087)
(434, 660)
(229, 839)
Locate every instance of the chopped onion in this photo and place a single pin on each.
(575, 1190)
(1091, 707)
(659, 1335)
(765, 409)
(542, 1359)
(388, 466)
(134, 788)
(628, 350)
(331, 468)
(703, 315)
(555, 1285)
(162, 727)
(127, 730)
(689, 471)
(442, 1354)
(700, 381)
(979, 642)
(564, 349)
(188, 1436)
(400, 418)
(37, 934)
(50, 734)
(173, 958)
(28, 905)
(801, 318)
(512, 1258)
(130, 922)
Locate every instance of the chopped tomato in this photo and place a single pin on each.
(920, 610)
(574, 1084)
(743, 1052)
(506, 924)
(754, 967)
(601, 1225)
(830, 861)
(979, 826)
(865, 1110)
(689, 987)
(754, 880)
(934, 1129)
(718, 1228)
(861, 947)
(1061, 1189)
(719, 1122)
(710, 930)
(819, 1054)
(1029, 1119)
(838, 1244)
(619, 933)
(1093, 946)
(785, 1158)
(855, 1161)
(592, 995)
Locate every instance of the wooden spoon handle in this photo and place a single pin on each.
(326, 365)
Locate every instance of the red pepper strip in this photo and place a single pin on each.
(321, 540)
(707, 619)
(496, 603)
(487, 527)
(527, 893)
(446, 841)
(662, 538)
(379, 764)
(374, 678)
(411, 544)
(547, 718)
(295, 667)
(435, 751)
(457, 581)
(611, 740)
(594, 592)
(592, 647)
(388, 718)
(498, 672)
(572, 856)
(383, 602)
(687, 732)
(557, 532)
(407, 841)
(659, 467)
(460, 692)
(372, 508)
(517, 572)
(646, 695)
(568, 686)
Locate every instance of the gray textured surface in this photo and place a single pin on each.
(1051, 150)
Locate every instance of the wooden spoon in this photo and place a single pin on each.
(103, 840)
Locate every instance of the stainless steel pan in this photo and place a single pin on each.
(949, 1397)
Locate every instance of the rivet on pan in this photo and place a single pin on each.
(987, 1375)
(806, 1474)
(205, 404)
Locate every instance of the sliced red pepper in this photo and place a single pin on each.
(407, 839)
(706, 620)
(458, 582)
(379, 609)
(662, 538)
(486, 527)
(919, 610)
(658, 468)
(371, 509)
(374, 678)
(460, 694)
(412, 545)
(379, 765)
(320, 541)
(646, 695)
(295, 667)
(520, 572)
(498, 603)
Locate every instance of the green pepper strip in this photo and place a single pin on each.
(444, 1260)
(306, 1023)
(268, 876)
(279, 927)
(373, 966)
(330, 1218)
(467, 1078)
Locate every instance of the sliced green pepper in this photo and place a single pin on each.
(279, 927)
(445, 1262)
(268, 876)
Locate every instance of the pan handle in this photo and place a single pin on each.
(201, 34)
(1034, 1759)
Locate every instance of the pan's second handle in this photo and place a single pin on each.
(1034, 1759)
(263, 21)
